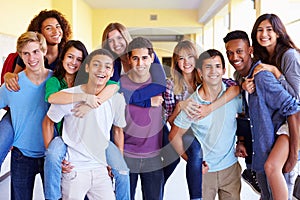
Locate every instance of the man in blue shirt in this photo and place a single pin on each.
(28, 109)
(270, 105)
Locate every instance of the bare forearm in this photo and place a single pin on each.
(119, 138)
(18, 69)
(48, 130)
(294, 130)
(108, 92)
(174, 114)
(230, 94)
(175, 138)
(66, 98)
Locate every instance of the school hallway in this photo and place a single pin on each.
(175, 189)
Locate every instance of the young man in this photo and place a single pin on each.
(28, 109)
(87, 137)
(243, 129)
(269, 107)
(215, 132)
(143, 133)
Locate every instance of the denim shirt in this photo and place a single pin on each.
(269, 107)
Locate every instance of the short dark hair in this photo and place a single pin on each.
(233, 35)
(98, 52)
(140, 43)
(211, 53)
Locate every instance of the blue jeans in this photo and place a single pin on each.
(151, 175)
(23, 172)
(6, 136)
(193, 166)
(120, 171)
(56, 153)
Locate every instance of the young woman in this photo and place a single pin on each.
(273, 46)
(183, 82)
(57, 31)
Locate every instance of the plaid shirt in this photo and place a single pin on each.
(170, 99)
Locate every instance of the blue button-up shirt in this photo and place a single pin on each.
(269, 107)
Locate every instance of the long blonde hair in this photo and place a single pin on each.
(176, 73)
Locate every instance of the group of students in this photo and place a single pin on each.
(83, 120)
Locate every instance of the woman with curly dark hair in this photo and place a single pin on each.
(36, 24)
(57, 31)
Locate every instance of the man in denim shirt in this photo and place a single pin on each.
(270, 105)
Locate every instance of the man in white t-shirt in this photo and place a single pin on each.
(87, 137)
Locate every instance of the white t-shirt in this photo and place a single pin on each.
(87, 137)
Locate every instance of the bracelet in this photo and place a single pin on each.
(240, 141)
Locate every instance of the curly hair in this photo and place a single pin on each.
(36, 24)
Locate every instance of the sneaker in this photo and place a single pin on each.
(249, 177)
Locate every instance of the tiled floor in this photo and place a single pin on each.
(175, 189)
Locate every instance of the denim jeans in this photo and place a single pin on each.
(151, 175)
(23, 172)
(6, 136)
(52, 168)
(120, 171)
(56, 153)
(193, 166)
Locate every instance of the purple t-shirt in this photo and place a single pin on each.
(143, 133)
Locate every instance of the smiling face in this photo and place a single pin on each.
(186, 61)
(72, 60)
(100, 70)
(52, 31)
(212, 71)
(33, 56)
(140, 62)
(239, 55)
(266, 35)
(116, 42)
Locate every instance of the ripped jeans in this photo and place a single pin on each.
(52, 170)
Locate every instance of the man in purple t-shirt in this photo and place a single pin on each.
(143, 133)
